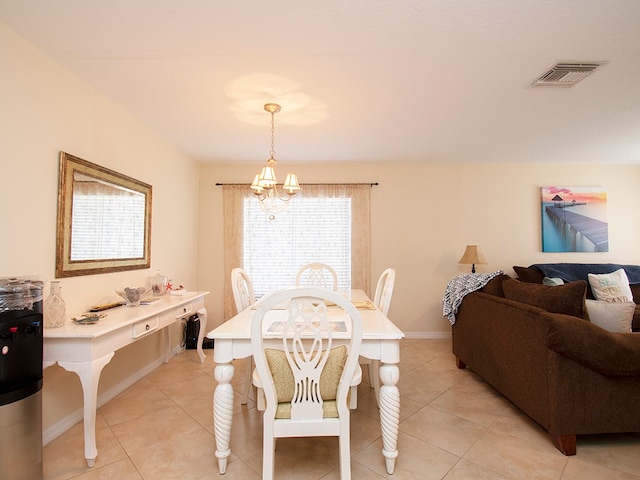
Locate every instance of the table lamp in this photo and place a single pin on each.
(473, 255)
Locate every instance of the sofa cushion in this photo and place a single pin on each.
(494, 286)
(615, 317)
(567, 299)
(611, 287)
(605, 352)
(635, 290)
(529, 274)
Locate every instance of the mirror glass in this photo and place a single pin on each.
(104, 220)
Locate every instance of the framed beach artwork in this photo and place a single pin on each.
(574, 219)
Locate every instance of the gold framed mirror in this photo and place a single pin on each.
(104, 220)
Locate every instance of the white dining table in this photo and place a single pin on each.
(380, 341)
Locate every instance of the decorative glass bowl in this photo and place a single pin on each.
(133, 295)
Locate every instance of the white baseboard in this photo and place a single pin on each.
(64, 424)
(427, 334)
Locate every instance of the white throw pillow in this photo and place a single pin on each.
(611, 287)
(615, 317)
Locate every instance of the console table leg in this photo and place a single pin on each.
(389, 413)
(202, 316)
(167, 343)
(223, 413)
(89, 374)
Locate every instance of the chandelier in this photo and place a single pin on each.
(265, 184)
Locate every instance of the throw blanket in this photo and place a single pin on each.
(460, 286)
(570, 272)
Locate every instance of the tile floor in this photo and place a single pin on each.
(453, 426)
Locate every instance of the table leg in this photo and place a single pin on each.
(202, 316)
(223, 413)
(166, 332)
(89, 374)
(389, 413)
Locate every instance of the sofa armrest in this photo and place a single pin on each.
(589, 345)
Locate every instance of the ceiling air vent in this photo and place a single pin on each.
(565, 74)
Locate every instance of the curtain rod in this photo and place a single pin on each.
(372, 184)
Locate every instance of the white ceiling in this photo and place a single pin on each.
(358, 80)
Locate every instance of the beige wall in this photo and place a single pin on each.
(45, 109)
(423, 216)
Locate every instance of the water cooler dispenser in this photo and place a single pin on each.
(20, 378)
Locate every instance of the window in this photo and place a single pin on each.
(324, 223)
(310, 230)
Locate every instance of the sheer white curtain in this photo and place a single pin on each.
(360, 249)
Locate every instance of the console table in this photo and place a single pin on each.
(86, 349)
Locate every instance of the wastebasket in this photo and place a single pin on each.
(20, 378)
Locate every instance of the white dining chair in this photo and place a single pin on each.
(306, 368)
(244, 297)
(242, 288)
(318, 275)
(384, 290)
(382, 300)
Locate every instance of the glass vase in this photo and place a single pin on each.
(158, 284)
(54, 307)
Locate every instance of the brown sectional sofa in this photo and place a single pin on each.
(569, 375)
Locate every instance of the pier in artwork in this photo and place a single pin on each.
(596, 231)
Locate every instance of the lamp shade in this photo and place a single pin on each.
(267, 177)
(256, 185)
(291, 183)
(473, 255)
